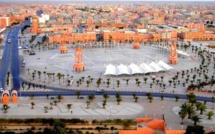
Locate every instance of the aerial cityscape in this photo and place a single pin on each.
(107, 67)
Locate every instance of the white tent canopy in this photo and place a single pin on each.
(135, 69)
(110, 70)
(122, 69)
(156, 67)
(164, 65)
(146, 68)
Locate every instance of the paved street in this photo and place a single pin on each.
(126, 109)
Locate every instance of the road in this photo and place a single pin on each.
(5, 59)
(15, 57)
(11, 51)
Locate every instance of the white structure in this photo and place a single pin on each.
(122, 69)
(164, 65)
(7, 20)
(156, 67)
(44, 18)
(135, 69)
(110, 70)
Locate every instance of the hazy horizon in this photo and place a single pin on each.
(107, 0)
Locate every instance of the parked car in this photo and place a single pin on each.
(100, 91)
(32, 53)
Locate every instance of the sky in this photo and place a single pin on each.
(102, 0)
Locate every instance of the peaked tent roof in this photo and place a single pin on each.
(122, 69)
(164, 65)
(110, 70)
(146, 68)
(135, 69)
(156, 67)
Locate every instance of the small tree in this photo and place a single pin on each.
(150, 98)
(47, 96)
(5, 108)
(51, 104)
(162, 97)
(88, 104)
(195, 119)
(183, 115)
(31, 96)
(59, 97)
(118, 100)
(210, 114)
(78, 94)
(45, 109)
(136, 98)
(55, 103)
(176, 98)
(69, 106)
(32, 105)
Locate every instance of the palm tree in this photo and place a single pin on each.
(69, 106)
(59, 97)
(210, 114)
(183, 115)
(78, 93)
(39, 74)
(51, 104)
(145, 79)
(44, 72)
(150, 98)
(59, 75)
(28, 71)
(118, 100)
(104, 104)
(32, 105)
(198, 105)
(127, 80)
(55, 102)
(91, 97)
(106, 96)
(162, 97)
(45, 109)
(195, 119)
(118, 95)
(5, 108)
(176, 98)
(136, 98)
(108, 83)
(190, 111)
(31, 96)
(213, 100)
(53, 74)
(49, 76)
(202, 108)
(88, 83)
(47, 96)
(118, 83)
(88, 104)
(134, 95)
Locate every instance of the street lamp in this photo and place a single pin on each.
(110, 111)
(163, 112)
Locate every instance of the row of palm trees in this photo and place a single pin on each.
(190, 109)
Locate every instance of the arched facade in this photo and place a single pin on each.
(173, 58)
(5, 97)
(63, 48)
(136, 45)
(78, 65)
(14, 97)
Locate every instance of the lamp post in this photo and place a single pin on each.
(163, 112)
(110, 111)
(113, 83)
